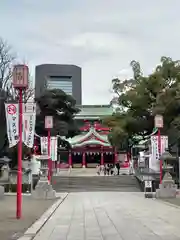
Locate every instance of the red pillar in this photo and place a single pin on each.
(115, 157)
(102, 158)
(70, 159)
(49, 156)
(35, 146)
(84, 160)
(128, 158)
(159, 148)
(19, 173)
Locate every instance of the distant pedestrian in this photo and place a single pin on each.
(108, 169)
(118, 168)
(115, 170)
(111, 169)
(105, 169)
(102, 169)
(98, 169)
(131, 169)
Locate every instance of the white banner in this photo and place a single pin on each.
(44, 145)
(29, 121)
(154, 156)
(53, 148)
(12, 123)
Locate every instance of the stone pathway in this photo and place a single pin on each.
(78, 172)
(112, 216)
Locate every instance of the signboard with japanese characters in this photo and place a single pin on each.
(48, 122)
(154, 156)
(20, 76)
(53, 147)
(29, 121)
(12, 121)
(158, 121)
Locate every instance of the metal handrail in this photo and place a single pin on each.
(146, 172)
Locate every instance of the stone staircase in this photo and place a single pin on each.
(122, 183)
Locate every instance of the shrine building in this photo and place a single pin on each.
(91, 146)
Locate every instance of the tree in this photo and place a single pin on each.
(7, 58)
(141, 97)
(7, 92)
(62, 107)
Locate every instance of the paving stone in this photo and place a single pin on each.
(117, 216)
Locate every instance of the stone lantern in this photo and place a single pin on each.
(167, 189)
(167, 159)
(43, 189)
(4, 178)
(4, 165)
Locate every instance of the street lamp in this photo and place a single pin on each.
(48, 126)
(20, 82)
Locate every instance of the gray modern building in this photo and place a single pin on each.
(64, 77)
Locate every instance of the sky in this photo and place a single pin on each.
(100, 36)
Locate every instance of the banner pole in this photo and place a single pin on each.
(49, 156)
(159, 149)
(19, 173)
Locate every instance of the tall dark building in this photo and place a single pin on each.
(65, 77)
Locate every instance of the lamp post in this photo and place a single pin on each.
(20, 82)
(158, 122)
(48, 126)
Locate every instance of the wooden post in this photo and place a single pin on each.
(102, 157)
(84, 160)
(70, 159)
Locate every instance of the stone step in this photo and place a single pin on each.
(97, 183)
(98, 190)
(93, 180)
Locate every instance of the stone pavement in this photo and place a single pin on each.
(78, 172)
(85, 172)
(112, 216)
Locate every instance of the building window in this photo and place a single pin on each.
(63, 83)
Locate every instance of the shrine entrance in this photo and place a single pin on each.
(91, 155)
(77, 159)
(92, 159)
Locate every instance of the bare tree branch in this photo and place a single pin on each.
(7, 58)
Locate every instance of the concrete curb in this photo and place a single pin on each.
(170, 204)
(36, 227)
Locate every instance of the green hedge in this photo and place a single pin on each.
(13, 187)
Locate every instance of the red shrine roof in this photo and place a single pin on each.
(97, 126)
(92, 137)
(90, 134)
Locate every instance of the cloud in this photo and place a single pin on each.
(100, 36)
